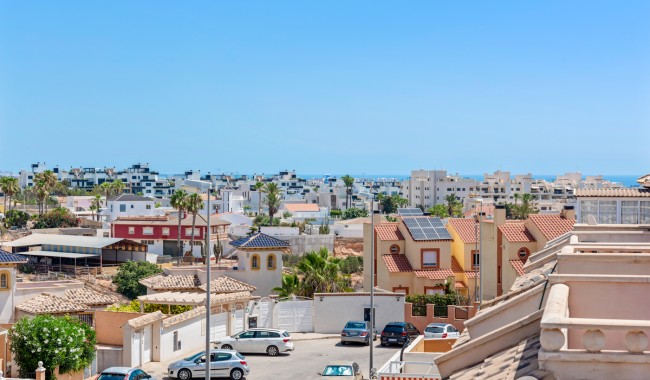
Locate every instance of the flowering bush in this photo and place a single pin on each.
(63, 342)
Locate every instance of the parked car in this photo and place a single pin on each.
(357, 332)
(223, 363)
(342, 369)
(440, 331)
(271, 341)
(124, 373)
(398, 333)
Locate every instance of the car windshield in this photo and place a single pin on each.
(394, 328)
(111, 376)
(355, 325)
(434, 329)
(337, 370)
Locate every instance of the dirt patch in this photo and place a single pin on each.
(344, 247)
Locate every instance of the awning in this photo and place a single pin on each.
(65, 255)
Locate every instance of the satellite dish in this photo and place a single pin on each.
(591, 220)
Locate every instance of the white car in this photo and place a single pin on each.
(271, 341)
(441, 331)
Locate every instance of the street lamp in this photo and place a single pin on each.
(372, 279)
(479, 200)
(199, 186)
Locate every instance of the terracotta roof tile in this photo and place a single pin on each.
(472, 274)
(146, 319)
(50, 304)
(90, 297)
(397, 263)
(619, 193)
(466, 229)
(460, 285)
(389, 232)
(259, 240)
(169, 282)
(518, 265)
(434, 274)
(455, 265)
(225, 284)
(552, 225)
(302, 207)
(516, 232)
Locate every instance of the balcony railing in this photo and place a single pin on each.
(408, 370)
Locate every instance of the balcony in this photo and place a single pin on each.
(417, 360)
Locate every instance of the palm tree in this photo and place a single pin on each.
(193, 205)
(41, 193)
(106, 188)
(349, 182)
(527, 206)
(96, 204)
(273, 199)
(6, 187)
(178, 201)
(258, 187)
(290, 286)
(321, 273)
(46, 181)
(452, 203)
(117, 187)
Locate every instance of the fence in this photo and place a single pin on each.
(451, 314)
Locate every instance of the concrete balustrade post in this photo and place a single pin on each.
(552, 339)
(593, 340)
(636, 341)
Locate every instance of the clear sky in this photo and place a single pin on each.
(327, 86)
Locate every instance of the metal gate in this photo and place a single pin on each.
(239, 320)
(295, 316)
(265, 310)
(135, 349)
(218, 326)
(148, 343)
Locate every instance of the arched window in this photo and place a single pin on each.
(3, 281)
(270, 262)
(523, 253)
(255, 261)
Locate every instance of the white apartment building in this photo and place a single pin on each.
(130, 205)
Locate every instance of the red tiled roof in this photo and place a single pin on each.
(455, 266)
(516, 232)
(302, 207)
(519, 266)
(618, 193)
(397, 263)
(466, 228)
(552, 225)
(434, 274)
(460, 285)
(472, 274)
(389, 232)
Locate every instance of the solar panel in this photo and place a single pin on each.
(426, 228)
(409, 211)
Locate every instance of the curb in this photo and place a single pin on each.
(295, 339)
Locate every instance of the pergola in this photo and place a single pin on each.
(190, 299)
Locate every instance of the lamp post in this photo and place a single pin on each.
(480, 250)
(198, 186)
(372, 279)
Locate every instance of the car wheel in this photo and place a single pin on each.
(226, 347)
(272, 351)
(368, 342)
(343, 343)
(236, 374)
(184, 374)
(383, 344)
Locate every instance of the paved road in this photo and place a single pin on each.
(309, 357)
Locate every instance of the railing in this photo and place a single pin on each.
(399, 370)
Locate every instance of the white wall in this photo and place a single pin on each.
(332, 313)
(347, 230)
(138, 208)
(280, 231)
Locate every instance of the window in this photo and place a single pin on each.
(122, 208)
(523, 253)
(430, 257)
(4, 283)
(177, 343)
(188, 232)
(148, 207)
(255, 262)
(147, 230)
(247, 335)
(629, 212)
(607, 212)
(131, 230)
(270, 262)
(434, 290)
(394, 249)
(400, 289)
(644, 212)
(476, 259)
(165, 231)
(148, 242)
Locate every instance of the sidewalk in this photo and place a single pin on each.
(297, 336)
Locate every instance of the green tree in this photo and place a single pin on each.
(454, 206)
(348, 181)
(193, 205)
(179, 202)
(439, 211)
(107, 189)
(96, 204)
(290, 286)
(524, 209)
(9, 187)
(387, 203)
(354, 212)
(351, 264)
(134, 307)
(65, 343)
(258, 187)
(45, 182)
(321, 274)
(59, 217)
(117, 187)
(324, 229)
(128, 275)
(273, 198)
(16, 218)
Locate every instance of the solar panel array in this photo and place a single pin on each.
(409, 212)
(427, 228)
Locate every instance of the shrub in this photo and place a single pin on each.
(63, 342)
(130, 273)
(354, 212)
(57, 218)
(16, 218)
(352, 264)
(134, 307)
(336, 213)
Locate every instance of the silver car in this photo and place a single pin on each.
(124, 373)
(441, 331)
(271, 341)
(357, 332)
(223, 363)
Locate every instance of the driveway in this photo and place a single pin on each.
(308, 358)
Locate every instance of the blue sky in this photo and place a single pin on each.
(327, 86)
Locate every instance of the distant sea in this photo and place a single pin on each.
(626, 180)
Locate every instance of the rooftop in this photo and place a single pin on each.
(466, 229)
(389, 232)
(225, 284)
(172, 282)
(552, 225)
(397, 263)
(516, 232)
(302, 207)
(50, 304)
(618, 193)
(259, 240)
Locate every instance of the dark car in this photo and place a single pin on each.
(398, 333)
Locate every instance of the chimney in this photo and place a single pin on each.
(499, 214)
(568, 212)
(377, 217)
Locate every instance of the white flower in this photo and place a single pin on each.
(38, 349)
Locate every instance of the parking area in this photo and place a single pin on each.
(308, 358)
